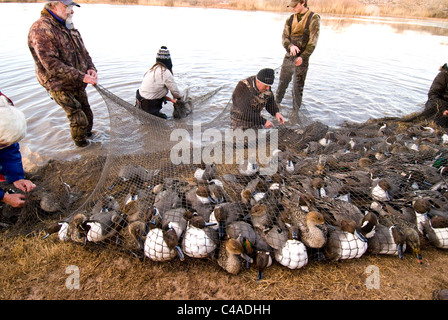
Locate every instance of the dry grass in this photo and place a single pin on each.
(391, 8)
(33, 268)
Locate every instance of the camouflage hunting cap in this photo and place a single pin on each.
(292, 4)
(68, 3)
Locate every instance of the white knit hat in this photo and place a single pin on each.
(12, 123)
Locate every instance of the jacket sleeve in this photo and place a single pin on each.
(286, 35)
(171, 84)
(439, 86)
(271, 105)
(314, 36)
(11, 163)
(45, 46)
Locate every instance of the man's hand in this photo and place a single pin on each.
(268, 124)
(91, 77)
(24, 185)
(294, 50)
(298, 61)
(16, 200)
(280, 118)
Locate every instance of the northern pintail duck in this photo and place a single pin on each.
(73, 228)
(312, 228)
(162, 244)
(249, 167)
(106, 220)
(208, 173)
(292, 253)
(434, 227)
(200, 240)
(388, 240)
(230, 254)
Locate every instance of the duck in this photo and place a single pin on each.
(292, 253)
(230, 254)
(260, 216)
(135, 174)
(198, 199)
(208, 173)
(175, 218)
(348, 236)
(380, 190)
(72, 228)
(168, 199)
(138, 231)
(162, 244)
(388, 240)
(226, 213)
(200, 240)
(434, 227)
(107, 222)
(242, 230)
(249, 167)
(440, 294)
(410, 231)
(263, 260)
(312, 228)
(216, 191)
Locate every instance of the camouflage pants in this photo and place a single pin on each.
(77, 108)
(286, 74)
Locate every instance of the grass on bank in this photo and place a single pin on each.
(392, 8)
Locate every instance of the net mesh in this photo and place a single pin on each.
(172, 189)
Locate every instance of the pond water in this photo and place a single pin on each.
(362, 67)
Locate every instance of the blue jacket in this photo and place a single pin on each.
(11, 165)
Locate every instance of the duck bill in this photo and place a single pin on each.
(222, 230)
(180, 254)
(46, 236)
(259, 275)
(400, 250)
(247, 258)
(418, 256)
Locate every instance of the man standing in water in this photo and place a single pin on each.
(64, 66)
(299, 38)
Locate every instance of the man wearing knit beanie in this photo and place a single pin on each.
(250, 97)
(12, 130)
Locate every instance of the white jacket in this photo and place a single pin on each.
(157, 82)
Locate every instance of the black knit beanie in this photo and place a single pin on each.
(266, 76)
(164, 57)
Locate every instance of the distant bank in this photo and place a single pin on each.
(385, 8)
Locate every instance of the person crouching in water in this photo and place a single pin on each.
(437, 104)
(156, 84)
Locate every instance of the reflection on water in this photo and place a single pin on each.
(362, 67)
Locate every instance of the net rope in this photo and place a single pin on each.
(297, 192)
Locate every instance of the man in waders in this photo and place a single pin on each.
(299, 38)
(64, 66)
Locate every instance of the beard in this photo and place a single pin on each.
(69, 22)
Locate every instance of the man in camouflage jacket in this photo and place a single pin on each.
(63, 65)
(299, 38)
(250, 97)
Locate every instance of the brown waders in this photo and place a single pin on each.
(286, 74)
(77, 108)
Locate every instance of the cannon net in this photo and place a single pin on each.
(172, 189)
